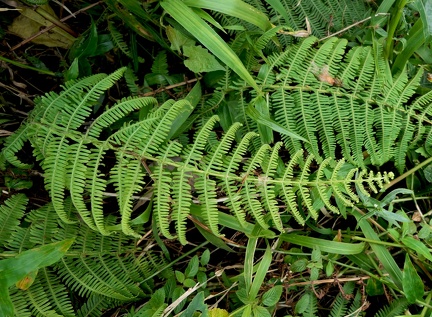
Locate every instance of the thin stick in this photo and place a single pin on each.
(328, 281)
(151, 93)
(204, 227)
(53, 25)
(351, 26)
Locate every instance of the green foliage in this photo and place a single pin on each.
(73, 160)
(325, 16)
(279, 134)
(394, 309)
(102, 270)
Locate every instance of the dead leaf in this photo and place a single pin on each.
(30, 22)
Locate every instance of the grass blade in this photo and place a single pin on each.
(235, 8)
(380, 251)
(324, 245)
(208, 37)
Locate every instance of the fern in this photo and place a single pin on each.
(104, 270)
(340, 305)
(344, 102)
(73, 162)
(396, 308)
(118, 40)
(10, 214)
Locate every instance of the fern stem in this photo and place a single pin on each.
(406, 174)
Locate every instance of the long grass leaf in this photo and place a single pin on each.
(235, 8)
(381, 252)
(208, 37)
(324, 245)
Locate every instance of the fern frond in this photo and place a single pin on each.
(229, 182)
(94, 306)
(205, 185)
(14, 144)
(44, 225)
(248, 190)
(267, 190)
(338, 99)
(36, 298)
(118, 111)
(118, 40)
(340, 304)
(312, 307)
(164, 183)
(128, 174)
(182, 189)
(95, 264)
(251, 176)
(11, 212)
(394, 309)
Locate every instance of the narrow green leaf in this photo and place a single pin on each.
(324, 245)
(392, 195)
(260, 274)
(27, 280)
(231, 222)
(192, 100)
(414, 41)
(249, 262)
(417, 246)
(374, 287)
(380, 251)
(425, 10)
(235, 8)
(279, 8)
(210, 237)
(412, 283)
(262, 111)
(208, 37)
(87, 47)
(207, 17)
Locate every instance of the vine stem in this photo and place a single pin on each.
(406, 174)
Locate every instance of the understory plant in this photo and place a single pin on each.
(289, 177)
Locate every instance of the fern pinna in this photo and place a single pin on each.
(74, 154)
(102, 271)
(344, 103)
